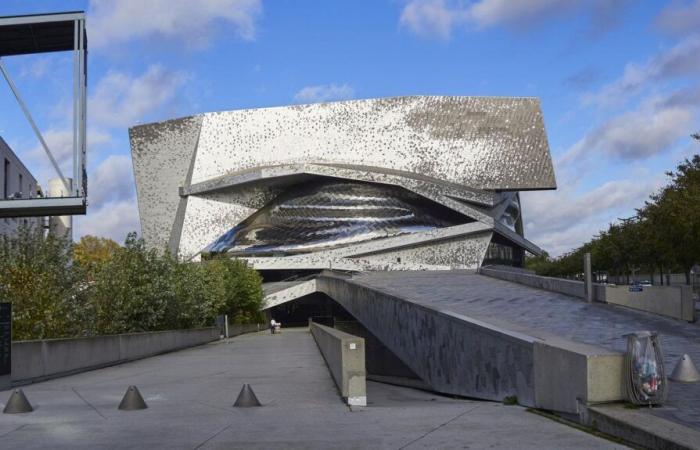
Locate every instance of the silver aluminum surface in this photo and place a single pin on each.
(200, 176)
(326, 214)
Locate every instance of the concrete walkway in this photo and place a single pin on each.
(502, 302)
(190, 394)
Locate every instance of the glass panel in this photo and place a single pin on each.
(502, 251)
(320, 215)
(511, 214)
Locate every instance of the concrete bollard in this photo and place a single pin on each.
(685, 371)
(246, 398)
(18, 403)
(132, 400)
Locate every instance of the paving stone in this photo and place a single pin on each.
(190, 394)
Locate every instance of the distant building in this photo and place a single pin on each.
(379, 184)
(16, 182)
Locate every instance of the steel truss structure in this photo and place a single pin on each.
(32, 34)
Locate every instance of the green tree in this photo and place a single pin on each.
(674, 213)
(133, 290)
(98, 287)
(37, 277)
(244, 294)
(664, 235)
(92, 252)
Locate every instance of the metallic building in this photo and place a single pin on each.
(419, 182)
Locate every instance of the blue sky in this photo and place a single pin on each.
(618, 81)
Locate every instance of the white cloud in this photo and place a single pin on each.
(37, 67)
(680, 61)
(324, 93)
(440, 17)
(680, 17)
(112, 181)
(650, 124)
(185, 20)
(60, 142)
(113, 220)
(121, 100)
(561, 220)
(118, 100)
(112, 208)
(635, 134)
(432, 18)
(488, 13)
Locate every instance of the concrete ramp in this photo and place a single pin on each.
(475, 336)
(455, 352)
(461, 355)
(280, 292)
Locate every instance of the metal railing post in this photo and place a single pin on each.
(588, 277)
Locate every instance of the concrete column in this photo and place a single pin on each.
(60, 225)
(588, 273)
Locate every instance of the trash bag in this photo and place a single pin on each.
(645, 376)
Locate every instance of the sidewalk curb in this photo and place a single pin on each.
(641, 428)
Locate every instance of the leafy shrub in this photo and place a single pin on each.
(37, 277)
(98, 287)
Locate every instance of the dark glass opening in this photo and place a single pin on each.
(328, 213)
(504, 252)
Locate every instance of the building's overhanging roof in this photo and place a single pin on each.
(489, 143)
(38, 33)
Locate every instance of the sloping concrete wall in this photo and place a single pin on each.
(345, 357)
(453, 354)
(460, 355)
(561, 285)
(39, 360)
(670, 301)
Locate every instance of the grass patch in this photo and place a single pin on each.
(510, 400)
(593, 430)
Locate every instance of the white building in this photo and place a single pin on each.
(16, 182)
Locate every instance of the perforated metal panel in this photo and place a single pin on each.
(204, 182)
